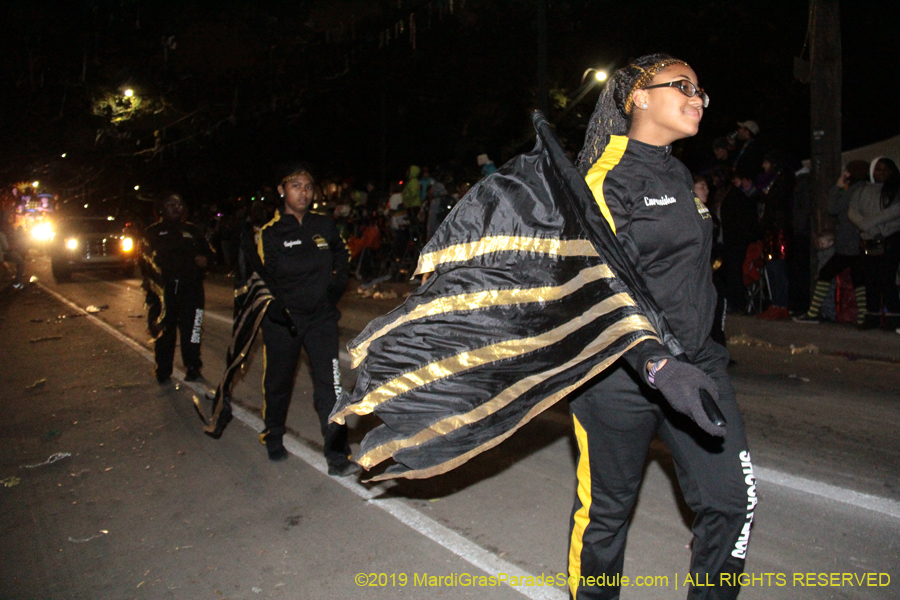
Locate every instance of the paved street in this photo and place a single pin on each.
(111, 491)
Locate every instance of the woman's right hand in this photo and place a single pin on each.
(844, 180)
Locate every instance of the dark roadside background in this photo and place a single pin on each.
(109, 490)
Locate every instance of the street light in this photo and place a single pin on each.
(129, 93)
(599, 75)
(586, 86)
(35, 184)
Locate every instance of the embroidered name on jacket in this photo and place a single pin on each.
(292, 243)
(659, 201)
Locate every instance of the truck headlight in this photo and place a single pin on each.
(42, 232)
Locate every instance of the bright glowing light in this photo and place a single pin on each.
(127, 244)
(137, 187)
(43, 232)
(71, 243)
(63, 155)
(129, 93)
(600, 75)
(85, 205)
(110, 218)
(35, 184)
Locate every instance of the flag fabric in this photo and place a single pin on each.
(252, 299)
(530, 297)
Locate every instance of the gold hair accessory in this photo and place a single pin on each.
(646, 76)
(296, 174)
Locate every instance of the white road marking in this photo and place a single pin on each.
(884, 506)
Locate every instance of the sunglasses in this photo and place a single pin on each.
(685, 87)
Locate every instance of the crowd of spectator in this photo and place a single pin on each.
(771, 242)
(384, 232)
(769, 236)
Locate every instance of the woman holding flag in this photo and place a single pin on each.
(549, 285)
(646, 196)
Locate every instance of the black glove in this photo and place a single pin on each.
(692, 392)
(279, 313)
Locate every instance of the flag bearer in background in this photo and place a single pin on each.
(306, 263)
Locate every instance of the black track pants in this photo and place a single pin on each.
(184, 314)
(318, 335)
(614, 425)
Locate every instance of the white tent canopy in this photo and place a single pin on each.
(889, 148)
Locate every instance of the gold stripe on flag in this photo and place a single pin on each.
(504, 350)
(482, 299)
(503, 243)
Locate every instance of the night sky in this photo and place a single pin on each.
(225, 89)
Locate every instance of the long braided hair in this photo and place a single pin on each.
(613, 113)
(891, 186)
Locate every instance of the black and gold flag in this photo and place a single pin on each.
(252, 297)
(530, 297)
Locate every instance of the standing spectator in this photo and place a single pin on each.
(799, 257)
(439, 207)
(719, 172)
(776, 226)
(306, 265)
(748, 156)
(412, 196)
(12, 248)
(740, 228)
(425, 182)
(230, 234)
(846, 246)
(395, 200)
(398, 224)
(875, 210)
(173, 260)
(701, 191)
(486, 165)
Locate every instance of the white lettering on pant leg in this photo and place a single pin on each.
(336, 373)
(740, 547)
(198, 324)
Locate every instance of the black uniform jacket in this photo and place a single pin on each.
(308, 262)
(169, 251)
(647, 196)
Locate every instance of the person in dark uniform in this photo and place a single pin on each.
(646, 195)
(306, 264)
(173, 260)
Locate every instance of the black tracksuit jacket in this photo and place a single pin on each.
(169, 249)
(647, 195)
(666, 231)
(308, 262)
